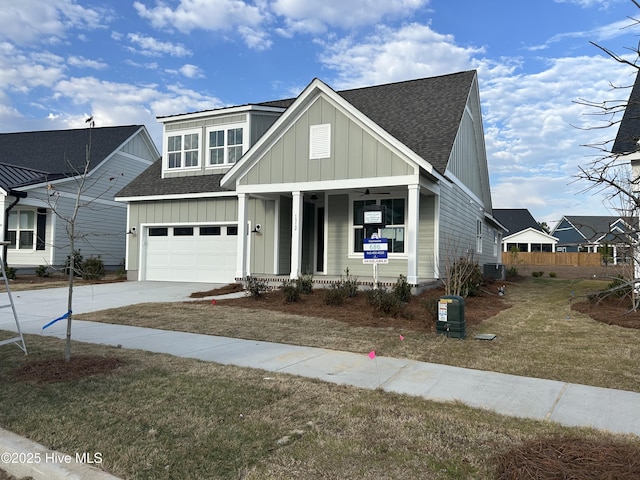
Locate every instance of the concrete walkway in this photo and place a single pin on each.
(568, 404)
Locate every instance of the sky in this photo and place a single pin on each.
(126, 62)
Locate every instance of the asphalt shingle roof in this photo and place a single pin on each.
(423, 114)
(629, 129)
(594, 227)
(515, 219)
(57, 153)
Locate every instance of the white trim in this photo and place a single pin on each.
(177, 196)
(220, 111)
(412, 232)
(436, 237)
(297, 211)
(127, 242)
(165, 150)
(225, 129)
(241, 254)
(348, 185)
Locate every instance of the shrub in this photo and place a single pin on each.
(304, 283)
(92, 268)
(402, 289)
(349, 283)
(335, 295)
(463, 278)
(552, 274)
(255, 287)
(620, 286)
(431, 306)
(42, 271)
(537, 274)
(77, 263)
(384, 302)
(291, 291)
(10, 272)
(512, 272)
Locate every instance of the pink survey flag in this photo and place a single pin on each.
(372, 354)
(401, 338)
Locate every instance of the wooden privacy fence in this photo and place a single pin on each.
(580, 259)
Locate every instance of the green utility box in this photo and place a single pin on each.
(451, 322)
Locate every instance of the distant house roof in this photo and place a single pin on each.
(595, 229)
(30, 157)
(516, 219)
(423, 114)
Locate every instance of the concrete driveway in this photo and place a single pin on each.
(36, 308)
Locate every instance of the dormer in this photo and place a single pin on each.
(212, 141)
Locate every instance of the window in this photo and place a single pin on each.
(225, 146)
(232, 231)
(183, 150)
(395, 219)
(182, 231)
(21, 229)
(479, 236)
(158, 231)
(207, 231)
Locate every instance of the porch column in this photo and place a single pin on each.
(413, 222)
(296, 235)
(241, 259)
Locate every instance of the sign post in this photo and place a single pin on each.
(375, 252)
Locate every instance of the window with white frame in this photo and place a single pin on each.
(225, 145)
(22, 228)
(394, 230)
(183, 150)
(479, 236)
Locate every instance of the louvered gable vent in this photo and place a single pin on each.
(320, 141)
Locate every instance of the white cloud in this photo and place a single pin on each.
(309, 17)
(388, 55)
(153, 47)
(81, 62)
(219, 16)
(31, 20)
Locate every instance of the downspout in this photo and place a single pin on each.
(18, 195)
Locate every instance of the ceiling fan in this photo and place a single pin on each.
(368, 192)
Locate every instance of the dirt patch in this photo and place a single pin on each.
(418, 314)
(52, 370)
(231, 288)
(611, 310)
(564, 458)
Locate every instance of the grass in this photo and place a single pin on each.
(162, 417)
(539, 336)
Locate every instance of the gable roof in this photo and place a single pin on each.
(56, 153)
(516, 219)
(595, 229)
(629, 130)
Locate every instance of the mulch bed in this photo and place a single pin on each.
(611, 310)
(53, 370)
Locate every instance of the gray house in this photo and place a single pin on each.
(39, 178)
(287, 187)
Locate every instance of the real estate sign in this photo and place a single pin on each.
(375, 250)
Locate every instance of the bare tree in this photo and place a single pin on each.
(615, 173)
(74, 232)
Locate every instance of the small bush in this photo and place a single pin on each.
(11, 272)
(431, 306)
(77, 263)
(620, 287)
(92, 268)
(537, 274)
(255, 287)
(304, 283)
(385, 302)
(42, 271)
(402, 289)
(349, 284)
(335, 295)
(291, 291)
(463, 278)
(512, 272)
(552, 274)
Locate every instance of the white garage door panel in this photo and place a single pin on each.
(208, 258)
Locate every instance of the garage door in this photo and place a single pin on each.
(191, 253)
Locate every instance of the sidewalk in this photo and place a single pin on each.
(568, 404)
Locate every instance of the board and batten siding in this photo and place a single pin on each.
(172, 212)
(284, 235)
(354, 152)
(426, 238)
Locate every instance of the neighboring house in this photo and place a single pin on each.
(595, 233)
(39, 175)
(280, 188)
(523, 232)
